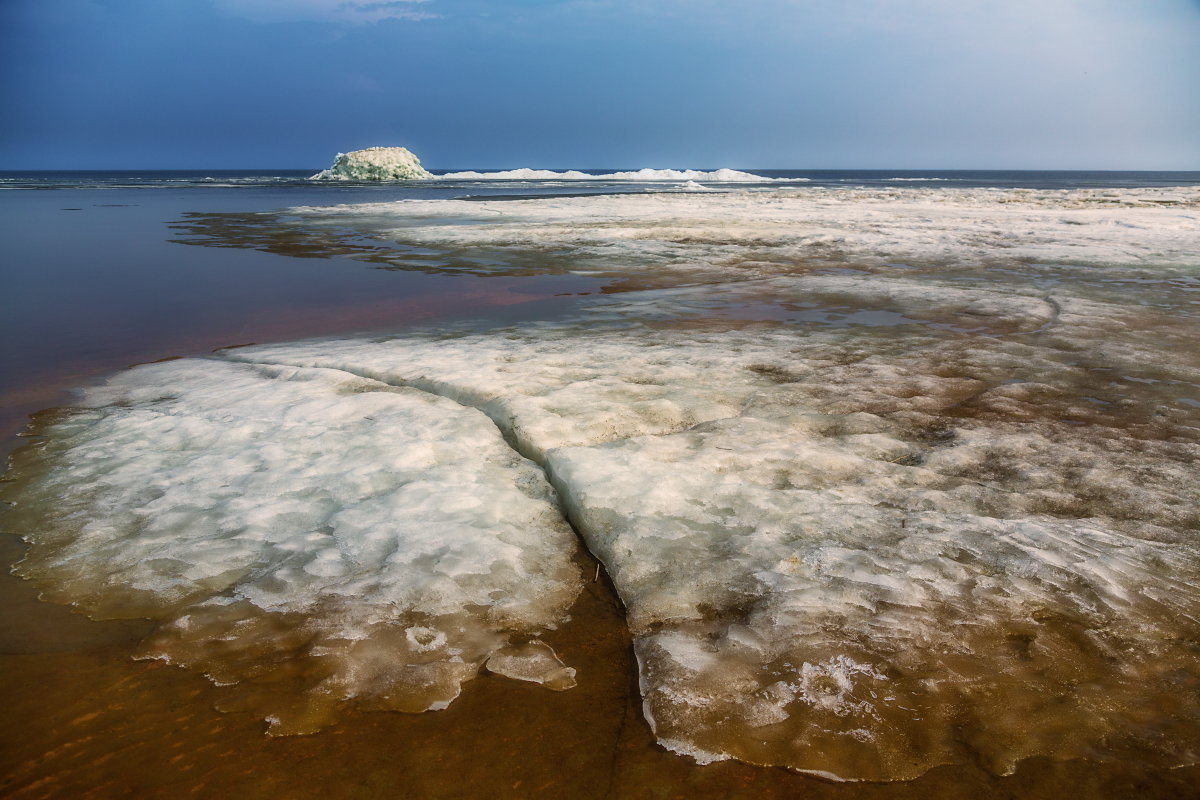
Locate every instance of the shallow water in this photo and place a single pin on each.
(882, 485)
(91, 291)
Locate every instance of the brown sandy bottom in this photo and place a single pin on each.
(83, 720)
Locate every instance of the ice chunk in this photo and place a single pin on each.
(375, 164)
(532, 661)
(884, 598)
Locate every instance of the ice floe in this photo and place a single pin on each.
(315, 536)
(666, 239)
(846, 555)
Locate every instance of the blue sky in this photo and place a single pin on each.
(1039, 84)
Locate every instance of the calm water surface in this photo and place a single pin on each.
(92, 282)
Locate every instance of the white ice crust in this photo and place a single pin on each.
(867, 517)
(397, 536)
(757, 230)
(809, 549)
(375, 164)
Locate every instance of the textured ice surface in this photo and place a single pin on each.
(317, 536)
(762, 232)
(659, 240)
(868, 550)
(375, 164)
(886, 480)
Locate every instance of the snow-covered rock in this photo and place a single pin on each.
(375, 164)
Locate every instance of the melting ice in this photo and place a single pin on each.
(886, 480)
(317, 536)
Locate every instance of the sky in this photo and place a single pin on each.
(804, 84)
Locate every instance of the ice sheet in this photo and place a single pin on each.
(1104, 243)
(885, 479)
(761, 232)
(867, 551)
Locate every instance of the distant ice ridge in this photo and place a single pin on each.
(885, 480)
(374, 164)
(641, 175)
(400, 164)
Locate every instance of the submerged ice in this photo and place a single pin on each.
(884, 482)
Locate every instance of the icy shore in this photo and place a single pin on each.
(885, 480)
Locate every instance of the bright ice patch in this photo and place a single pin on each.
(314, 536)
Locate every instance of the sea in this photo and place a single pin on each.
(601, 483)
